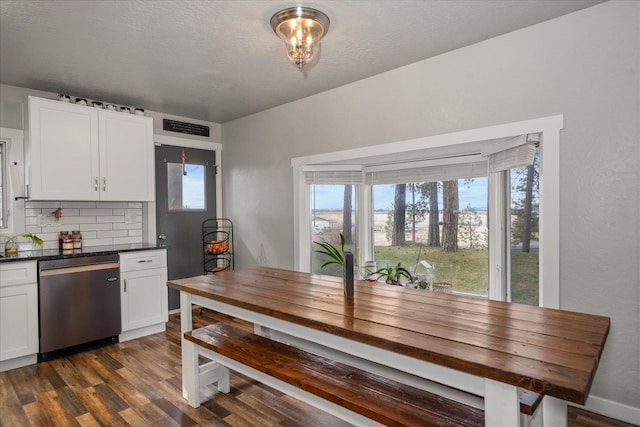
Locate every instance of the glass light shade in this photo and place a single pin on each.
(300, 30)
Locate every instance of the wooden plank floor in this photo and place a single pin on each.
(138, 383)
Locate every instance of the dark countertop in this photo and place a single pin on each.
(48, 254)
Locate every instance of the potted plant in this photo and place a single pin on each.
(335, 256)
(392, 275)
(11, 242)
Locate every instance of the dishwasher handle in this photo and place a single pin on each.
(78, 269)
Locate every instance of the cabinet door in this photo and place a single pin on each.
(18, 321)
(144, 298)
(126, 157)
(63, 149)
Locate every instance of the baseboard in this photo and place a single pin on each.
(18, 362)
(141, 332)
(174, 311)
(611, 409)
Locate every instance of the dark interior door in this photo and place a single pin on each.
(185, 197)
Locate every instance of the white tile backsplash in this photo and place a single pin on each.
(96, 212)
(101, 223)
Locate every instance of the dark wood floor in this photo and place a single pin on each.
(138, 383)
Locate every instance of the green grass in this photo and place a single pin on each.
(524, 277)
(469, 265)
(469, 268)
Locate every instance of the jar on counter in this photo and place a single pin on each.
(76, 237)
(67, 242)
(61, 238)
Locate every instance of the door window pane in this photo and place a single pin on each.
(442, 225)
(186, 187)
(333, 212)
(525, 218)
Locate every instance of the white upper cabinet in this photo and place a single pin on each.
(82, 153)
(63, 151)
(126, 157)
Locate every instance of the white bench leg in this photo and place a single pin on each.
(224, 383)
(191, 373)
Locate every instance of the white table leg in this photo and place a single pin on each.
(189, 371)
(554, 412)
(501, 404)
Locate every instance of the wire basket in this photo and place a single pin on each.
(218, 242)
(216, 265)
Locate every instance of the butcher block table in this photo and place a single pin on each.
(486, 348)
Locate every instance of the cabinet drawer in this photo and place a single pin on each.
(18, 273)
(134, 261)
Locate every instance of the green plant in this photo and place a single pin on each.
(335, 256)
(11, 244)
(393, 274)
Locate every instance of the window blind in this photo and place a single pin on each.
(333, 174)
(445, 172)
(522, 155)
(497, 156)
(510, 153)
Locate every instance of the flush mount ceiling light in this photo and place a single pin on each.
(300, 29)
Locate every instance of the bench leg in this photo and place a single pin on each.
(224, 383)
(191, 373)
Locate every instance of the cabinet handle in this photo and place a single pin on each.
(125, 285)
(95, 183)
(145, 260)
(104, 183)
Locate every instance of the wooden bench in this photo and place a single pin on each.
(345, 391)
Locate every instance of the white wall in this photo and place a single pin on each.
(584, 66)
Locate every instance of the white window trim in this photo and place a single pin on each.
(549, 196)
(15, 156)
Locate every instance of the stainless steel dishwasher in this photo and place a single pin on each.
(79, 304)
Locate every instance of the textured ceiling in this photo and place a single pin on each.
(219, 60)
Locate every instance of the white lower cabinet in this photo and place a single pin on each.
(18, 314)
(144, 294)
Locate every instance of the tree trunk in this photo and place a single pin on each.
(528, 207)
(413, 213)
(450, 216)
(346, 215)
(434, 215)
(399, 214)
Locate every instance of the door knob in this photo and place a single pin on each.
(162, 236)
